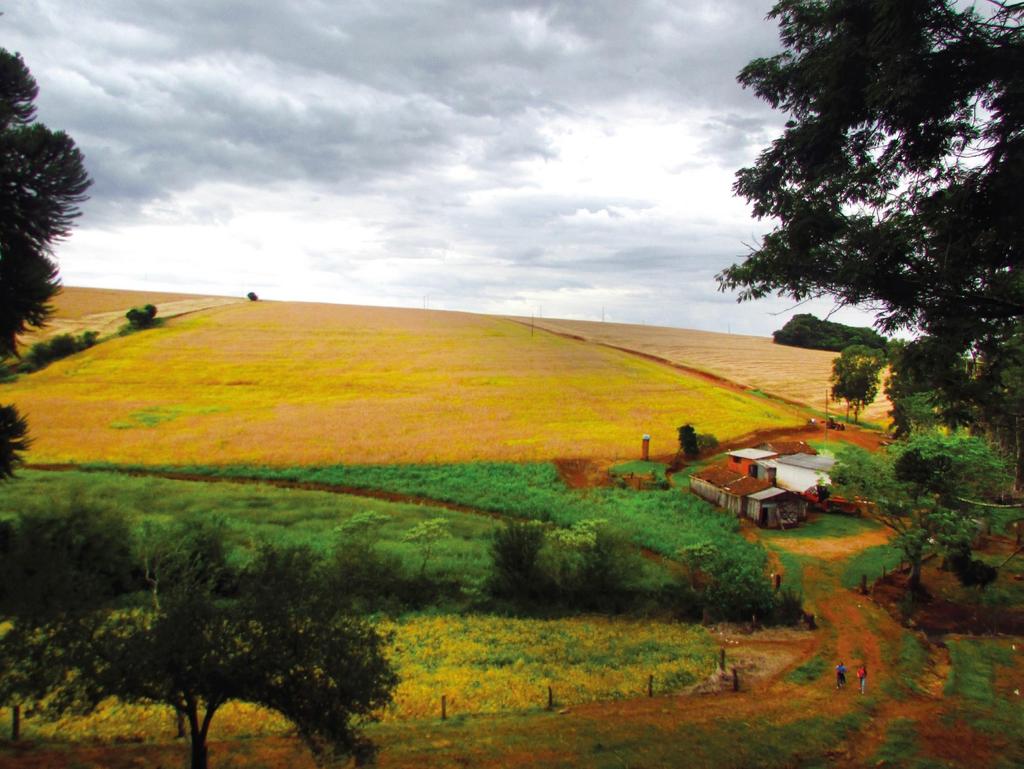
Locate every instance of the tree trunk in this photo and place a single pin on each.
(1018, 476)
(914, 582)
(15, 723)
(197, 739)
(198, 752)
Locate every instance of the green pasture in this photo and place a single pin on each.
(662, 521)
(821, 525)
(253, 514)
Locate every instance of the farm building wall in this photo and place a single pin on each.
(707, 491)
(798, 479)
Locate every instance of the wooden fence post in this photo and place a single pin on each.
(551, 699)
(735, 680)
(15, 723)
(721, 659)
(650, 686)
(444, 707)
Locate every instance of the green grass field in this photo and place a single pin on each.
(662, 521)
(255, 513)
(870, 562)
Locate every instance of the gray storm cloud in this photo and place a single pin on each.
(439, 140)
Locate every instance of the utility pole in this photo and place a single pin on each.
(826, 419)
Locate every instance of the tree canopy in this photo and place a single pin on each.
(896, 181)
(43, 180)
(855, 377)
(806, 330)
(167, 615)
(928, 489)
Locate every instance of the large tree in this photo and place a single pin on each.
(280, 638)
(896, 181)
(930, 490)
(59, 563)
(855, 377)
(42, 181)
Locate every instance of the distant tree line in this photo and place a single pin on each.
(42, 354)
(806, 330)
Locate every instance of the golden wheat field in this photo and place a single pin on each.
(295, 383)
(102, 309)
(754, 361)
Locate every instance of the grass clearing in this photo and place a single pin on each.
(824, 525)
(639, 467)
(256, 513)
(902, 747)
(985, 678)
(663, 520)
(871, 562)
(810, 671)
(976, 666)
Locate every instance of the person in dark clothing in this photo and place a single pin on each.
(840, 675)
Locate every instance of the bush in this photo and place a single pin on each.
(688, 441)
(516, 553)
(41, 354)
(141, 317)
(587, 566)
(706, 442)
(789, 608)
(972, 572)
(731, 583)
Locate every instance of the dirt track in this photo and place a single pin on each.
(852, 628)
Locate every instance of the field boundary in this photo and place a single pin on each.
(715, 379)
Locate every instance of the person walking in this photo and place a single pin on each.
(862, 676)
(840, 675)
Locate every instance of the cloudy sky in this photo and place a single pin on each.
(560, 158)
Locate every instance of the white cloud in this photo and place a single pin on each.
(490, 156)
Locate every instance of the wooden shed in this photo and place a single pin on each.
(710, 484)
(776, 508)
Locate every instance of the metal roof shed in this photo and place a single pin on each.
(754, 454)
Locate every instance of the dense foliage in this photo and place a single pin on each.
(43, 181)
(855, 377)
(163, 615)
(930, 490)
(895, 180)
(42, 354)
(141, 317)
(895, 186)
(666, 522)
(806, 330)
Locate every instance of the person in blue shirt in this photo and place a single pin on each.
(840, 675)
